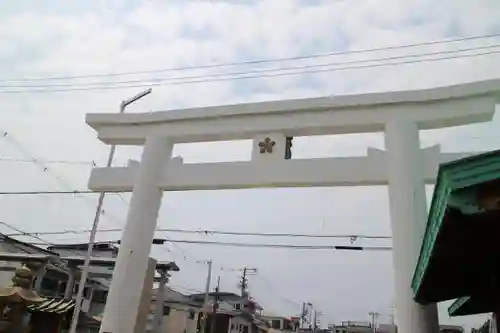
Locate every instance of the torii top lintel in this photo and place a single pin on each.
(431, 108)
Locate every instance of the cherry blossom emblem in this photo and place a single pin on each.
(266, 146)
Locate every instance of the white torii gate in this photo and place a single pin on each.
(403, 166)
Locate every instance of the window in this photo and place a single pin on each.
(62, 288)
(191, 314)
(276, 324)
(237, 306)
(49, 285)
(100, 296)
(245, 329)
(287, 326)
(166, 310)
(87, 292)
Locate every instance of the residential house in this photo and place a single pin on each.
(353, 327)
(365, 327)
(58, 280)
(238, 302)
(384, 328)
(281, 323)
(227, 319)
(95, 292)
(103, 260)
(180, 313)
(235, 313)
(50, 280)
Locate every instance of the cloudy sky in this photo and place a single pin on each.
(59, 38)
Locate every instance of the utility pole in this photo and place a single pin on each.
(317, 316)
(244, 280)
(159, 301)
(97, 216)
(215, 306)
(374, 316)
(392, 316)
(310, 310)
(315, 320)
(303, 314)
(206, 301)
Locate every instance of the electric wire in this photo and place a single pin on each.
(257, 71)
(27, 234)
(17, 144)
(27, 160)
(285, 246)
(21, 232)
(215, 232)
(273, 289)
(184, 288)
(275, 246)
(14, 142)
(208, 79)
(72, 192)
(260, 61)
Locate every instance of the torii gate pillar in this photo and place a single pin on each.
(122, 308)
(407, 205)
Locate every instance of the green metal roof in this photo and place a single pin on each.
(452, 176)
(456, 306)
(472, 305)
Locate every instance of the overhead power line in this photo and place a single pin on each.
(27, 154)
(27, 160)
(21, 232)
(277, 246)
(209, 79)
(65, 184)
(274, 289)
(253, 72)
(287, 246)
(258, 61)
(44, 242)
(216, 232)
(72, 192)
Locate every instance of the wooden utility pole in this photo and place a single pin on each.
(303, 314)
(206, 300)
(159, 300)
(374, 316)
(214, 307)
(244, 280)
(315, 320)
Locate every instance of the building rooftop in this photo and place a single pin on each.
(462, 230)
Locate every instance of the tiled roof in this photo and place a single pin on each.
(52, 305)
(174, 296)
